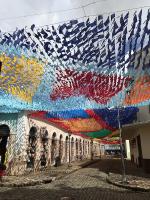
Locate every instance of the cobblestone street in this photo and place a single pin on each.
(88, 184)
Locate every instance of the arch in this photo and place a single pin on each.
(4, 134)
(83, 152)
(44, 145)
(72, 149)
(77, 149)
(80, 149)
(67, 138)
(66, 149)
(54, 135)
(33, 131)
(46, 134)
(31, 150)
(88, 148)
(61, 136)
(60, 147)
(53, 148)
(4, 130)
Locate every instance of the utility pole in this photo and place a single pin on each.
(124, 179)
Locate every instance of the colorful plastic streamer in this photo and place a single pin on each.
(92, 123)
(90, 64)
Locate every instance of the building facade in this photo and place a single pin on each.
(139, 136)
(35, 144)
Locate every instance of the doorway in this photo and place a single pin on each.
(31, 149)
(140, 157)
(53, 148)
(4, 134)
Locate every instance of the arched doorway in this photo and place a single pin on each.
(66, 149)
(53, 148)
(72, 149)
(83, 153)
(77, 149)
(44, 145)
(86, 148)
(31, 150)
(61, 147)
(80, 149)
(4, 134)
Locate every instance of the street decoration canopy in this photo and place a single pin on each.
(97, 123)
(111, 141)
(91, 63)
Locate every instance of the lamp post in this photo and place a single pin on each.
(124, 179)
(69, 165)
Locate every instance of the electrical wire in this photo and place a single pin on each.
(79, 18)
(80, 7)
(47, 13)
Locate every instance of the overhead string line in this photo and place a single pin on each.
(59, 11)
(80, 7)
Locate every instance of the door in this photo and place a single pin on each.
(140, 157)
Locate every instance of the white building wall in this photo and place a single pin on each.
(52, 128)
(127, 145)
(144, 132)
(145, 142)
(18, 145)
(144, 114)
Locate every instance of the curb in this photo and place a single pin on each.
(140, 189)
(30, 183)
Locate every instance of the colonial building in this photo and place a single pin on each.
(34, 144)
(139, 135)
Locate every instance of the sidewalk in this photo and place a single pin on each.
(133, 182)
(45, 176)
(137, 179)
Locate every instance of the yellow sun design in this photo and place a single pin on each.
(20, 76)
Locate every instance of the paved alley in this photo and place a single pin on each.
(88, 184)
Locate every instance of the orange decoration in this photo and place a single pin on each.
(78, 125)
(140, 91)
